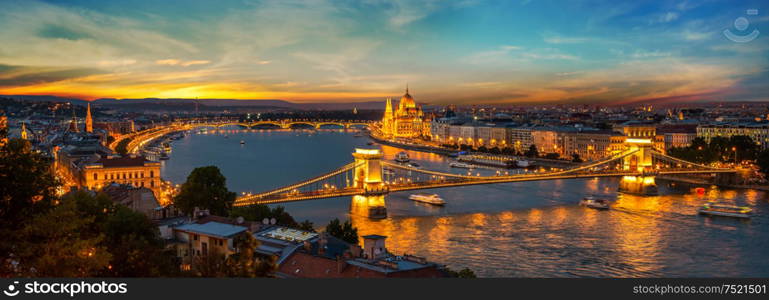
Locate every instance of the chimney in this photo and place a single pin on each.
(356, 251)
(340, 265)
(322, 241)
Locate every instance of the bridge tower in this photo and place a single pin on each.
(368, 171)
(641, 162)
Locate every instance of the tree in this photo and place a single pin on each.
(763, 162)
(345, 232)
(122, 146)
(259, 212)
(205, 188)
(62, 243)
(27, 188)
(575, 158)
(136, 247)
(495, 150)
(745, 147)
(532, 152)
(245, 263)
(552, 156)
(483, 149)
(464, 273)
(307, 226)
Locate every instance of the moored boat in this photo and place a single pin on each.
(402, 157)
(523, 163)
(455, 164)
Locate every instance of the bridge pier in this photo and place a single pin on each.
(638, 185)
(368, 176)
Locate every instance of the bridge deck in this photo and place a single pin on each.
(321, 194)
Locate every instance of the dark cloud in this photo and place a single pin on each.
(51, 31)
(11, 76)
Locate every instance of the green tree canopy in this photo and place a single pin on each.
(245, 263)
(763, 162)
(205, 188)
(345, 232)
(532, 152)
(575, 158)
(122, 146)
(27, 188)
(62, 243)
(259, 212)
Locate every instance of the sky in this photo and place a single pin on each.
(461, 52)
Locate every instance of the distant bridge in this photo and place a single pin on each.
(140, 138)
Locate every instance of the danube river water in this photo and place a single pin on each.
(528, 229)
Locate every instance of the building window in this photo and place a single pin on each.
(152, 174)
(95, 176)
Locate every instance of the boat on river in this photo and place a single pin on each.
(433, 199)
(595, 203)
(713, 208)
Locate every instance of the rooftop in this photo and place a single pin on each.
(288, 234)
(216, 229)
(125, 161)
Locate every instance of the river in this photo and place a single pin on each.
(526, 229)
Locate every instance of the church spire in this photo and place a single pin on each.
(24, 131)
(73, 123)
(389, 107)
(88, 120)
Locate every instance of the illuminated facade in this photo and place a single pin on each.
(758, 132)
(132, 170)
(405, 122)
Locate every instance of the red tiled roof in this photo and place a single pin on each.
(125, 161)
(303, 265)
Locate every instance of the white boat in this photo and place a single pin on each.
(455, 164)
(593, 202)
(433, 199)
(523, 163)
(402, 157)
(713, 208)
(242, 142)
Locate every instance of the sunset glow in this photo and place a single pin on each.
(463, 52)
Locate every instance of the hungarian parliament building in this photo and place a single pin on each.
(408, 121)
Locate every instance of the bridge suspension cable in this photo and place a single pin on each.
(682, 162)
(325, 176)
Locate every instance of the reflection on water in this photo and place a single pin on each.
(527, 229)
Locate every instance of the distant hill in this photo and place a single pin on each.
(219, 103)
(44, 98)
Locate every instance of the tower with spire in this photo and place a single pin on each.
(404, 122)
(73, 123)
(23, 133)
(88, 119)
